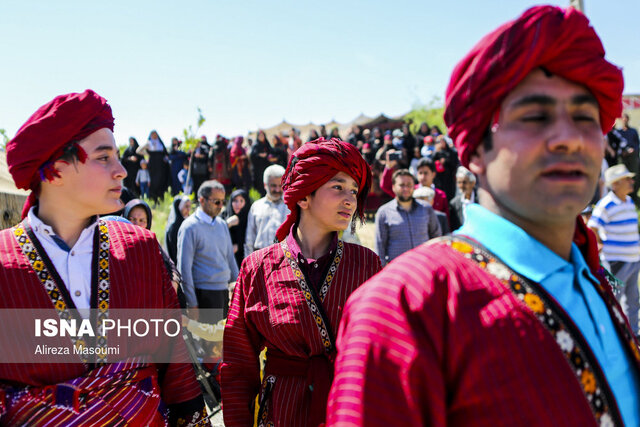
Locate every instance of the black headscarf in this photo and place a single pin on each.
(173, 225)
(238, 232)
(135, 203)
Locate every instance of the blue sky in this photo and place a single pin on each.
(250, 64)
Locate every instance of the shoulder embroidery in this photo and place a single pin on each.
(587, 372)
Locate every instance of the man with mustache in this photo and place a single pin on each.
(403, 223)
(266, 214)
(510, 321)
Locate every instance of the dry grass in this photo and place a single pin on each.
(367, 235)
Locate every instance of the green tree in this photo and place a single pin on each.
(432, 113)
(190, 135)
(4, 139)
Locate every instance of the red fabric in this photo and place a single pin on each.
(237, 153)
(316, 370)
(446, 344)
(560, 40)
(269, 310)
(586, 240)
(314, 164)
(43, 138)
(440, 202)
(132, 405)
(134, 257)
(386, 181)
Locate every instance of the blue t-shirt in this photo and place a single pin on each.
(581, 301)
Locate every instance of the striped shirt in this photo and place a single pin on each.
(617, 225)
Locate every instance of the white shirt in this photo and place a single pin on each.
(466, 202)
(263, 221)
(202, 216)
(75, 263)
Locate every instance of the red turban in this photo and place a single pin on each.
(49, 131)
(560, 40)
(315, 163)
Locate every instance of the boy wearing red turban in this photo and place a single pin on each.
(289, 296)
(511, 321)
(62, 257)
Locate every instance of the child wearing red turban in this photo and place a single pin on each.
(289, 296)
(62, 257)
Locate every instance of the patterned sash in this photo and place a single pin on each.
(57, 291)
(556, 321)
(117, 394)
(314, 300)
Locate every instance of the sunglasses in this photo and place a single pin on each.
(216, 202)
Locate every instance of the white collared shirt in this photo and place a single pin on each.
(466, 202)
(264, 219)
(73, 266)
(203, 216)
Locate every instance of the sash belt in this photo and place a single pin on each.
(318, 371)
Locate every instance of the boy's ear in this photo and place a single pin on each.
(304, 203)
(63, 167)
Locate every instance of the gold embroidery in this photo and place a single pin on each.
(306, 291)
(30, 252)
(551, 320)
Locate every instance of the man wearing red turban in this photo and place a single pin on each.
(62, 257)
(510, 321)
(289, 296)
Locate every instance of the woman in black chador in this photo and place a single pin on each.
(158, 165)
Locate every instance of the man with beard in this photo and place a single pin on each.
(403, 223)
(266, 214)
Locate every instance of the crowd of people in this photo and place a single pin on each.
(488, 299)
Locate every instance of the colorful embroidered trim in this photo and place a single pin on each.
(55, 294)
(263, 412)
(565, 333)
(103, 291)
(316, 311)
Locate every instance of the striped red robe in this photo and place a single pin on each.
(138, 279)
(268, 309)
(434, 340)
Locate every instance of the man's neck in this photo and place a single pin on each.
(313, 240)
(405, 205)
(620, 195)
(65, 222)
(272, 200)
(205, 214)
(557, 236)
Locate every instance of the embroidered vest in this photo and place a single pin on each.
(557, 322)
